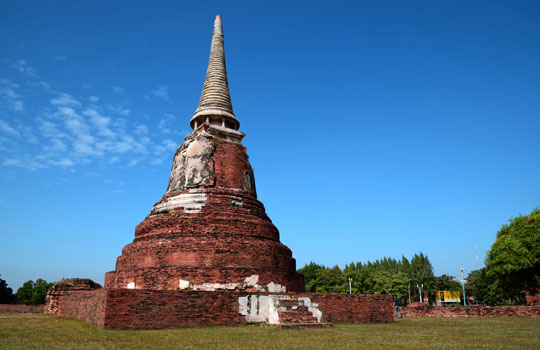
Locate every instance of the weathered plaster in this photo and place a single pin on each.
(193, 165)
(191, 202)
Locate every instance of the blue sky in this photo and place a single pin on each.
(375, 128)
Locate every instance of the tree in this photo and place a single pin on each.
(484, 288)
(33, 293)
(513, 263)
(6, 293)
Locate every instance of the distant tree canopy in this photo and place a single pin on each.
(33, 293)
(512, 264)
(386, 276)
(6, 293)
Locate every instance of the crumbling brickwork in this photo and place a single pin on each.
(64, 287)
(471, 311)
(88, 306)
(143, 308)
(21, 309)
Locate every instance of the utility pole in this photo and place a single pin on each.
(463, 284)
(350, 287)
(409, 290)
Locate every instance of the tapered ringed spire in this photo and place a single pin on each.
(215, 106)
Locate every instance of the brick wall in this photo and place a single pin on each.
(84, 305)
(21, 309)
(354, 308)
(471, 311)
(144, 308)
(533, 300)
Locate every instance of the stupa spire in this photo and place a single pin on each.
(215, 105)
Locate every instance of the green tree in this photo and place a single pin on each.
(33, 293)
(6, 293)
(484, 288)
(513, 263)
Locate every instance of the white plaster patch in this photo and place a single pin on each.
(266, 308)
(251, 280)
(183, 284)
(131, 285)
(312, 307)
(216, 286)
(237, 201)
(191, 202)
(276, 288)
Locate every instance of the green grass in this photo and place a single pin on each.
(33, 331)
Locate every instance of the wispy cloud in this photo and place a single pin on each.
(86, 86)
(93, 99)
(119, 110)
(61, 58)
(9, 96)
(64, 99)
(119, 90)
(6, 128)
(23, 67)
(161, 92)
(165, 123)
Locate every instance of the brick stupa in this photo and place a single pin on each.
(209, 231)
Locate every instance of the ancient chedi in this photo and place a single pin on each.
(209, 231)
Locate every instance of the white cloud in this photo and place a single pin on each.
(161, 92)
(134, 162)
(141, 129)
(64, 162)
(120, 110)
(6, 128)
(31, 164)
(9, 96)
(12, 162)
(23, 67)
(93, 99)
(165, 122)
(118, 89)
(64, 99)
(86, 86)
(100, 122)
(49, 129)
(57, 145)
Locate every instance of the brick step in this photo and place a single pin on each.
(288, 303)
(304, 325)
(302, 319)
(290, 317)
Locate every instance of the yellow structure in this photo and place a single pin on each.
(446, 296)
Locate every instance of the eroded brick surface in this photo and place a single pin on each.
(471, 311)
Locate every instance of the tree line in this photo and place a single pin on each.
(31, 293)
(386, 276)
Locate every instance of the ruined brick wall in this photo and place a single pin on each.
(64, 287)
(139, 309)
(21, 309)
(354, 308)
(471, 311)
(88, 306)
(533, 300)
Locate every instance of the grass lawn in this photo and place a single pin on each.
(40, 331)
